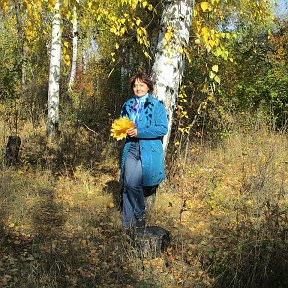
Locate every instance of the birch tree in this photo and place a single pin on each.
(74, 48)
(54, 73)
(168, 68)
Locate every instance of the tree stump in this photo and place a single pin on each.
(12, 150)
(151, 241)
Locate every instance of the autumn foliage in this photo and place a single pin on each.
(224, 200)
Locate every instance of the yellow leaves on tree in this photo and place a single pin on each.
(205, 6)
(66, 53)
(120, 127)
(4, 6)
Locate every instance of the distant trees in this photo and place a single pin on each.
(258, 83)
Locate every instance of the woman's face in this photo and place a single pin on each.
(140, 89)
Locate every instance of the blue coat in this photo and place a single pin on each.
(152, 126)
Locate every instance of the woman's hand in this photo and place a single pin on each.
(132, 132)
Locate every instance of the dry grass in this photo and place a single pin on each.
(226, 210)
(232, 216)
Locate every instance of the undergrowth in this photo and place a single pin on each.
(225, 208)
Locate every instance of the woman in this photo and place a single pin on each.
(142, 160)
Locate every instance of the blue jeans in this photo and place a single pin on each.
(133, 193)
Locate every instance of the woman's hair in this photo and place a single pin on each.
(142, 77)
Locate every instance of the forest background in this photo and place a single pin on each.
(224, 200)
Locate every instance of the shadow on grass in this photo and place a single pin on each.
(66, 251)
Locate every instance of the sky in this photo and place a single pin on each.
(283, 7)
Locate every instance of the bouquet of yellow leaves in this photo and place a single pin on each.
(120, 127)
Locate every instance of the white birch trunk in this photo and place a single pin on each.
(75, 49)
(54, 73)
(168, 67)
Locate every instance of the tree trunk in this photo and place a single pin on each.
(75, 49)
(167, 71)
(12, 151)
(54, 74)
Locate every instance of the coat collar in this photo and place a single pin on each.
(149, 98)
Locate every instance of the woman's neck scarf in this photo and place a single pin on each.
(138, 108)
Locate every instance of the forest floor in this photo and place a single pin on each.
(226, 209)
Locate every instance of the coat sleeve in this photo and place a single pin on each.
(161, 125)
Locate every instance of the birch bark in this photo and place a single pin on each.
(75, 49)
(168, 68)
(54, 73)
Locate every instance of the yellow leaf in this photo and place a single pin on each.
(110, 205)
(208, 48)
(211, 97)
(212, 43)
(205, 33)
(218, 52)
(139, 32)
(147, 55)
(204, 30)
(168, 36)
(113, 29)
(212, 74)
(217, 79)
(215, 68)
(180, 49)
(39, 3)
(123, 30)
(204, 6)
(68, 15)
(150, 7)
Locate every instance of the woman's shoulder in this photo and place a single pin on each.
(129, 101)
